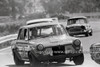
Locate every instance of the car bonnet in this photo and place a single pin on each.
(53, 40)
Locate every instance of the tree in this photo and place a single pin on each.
(72, 6)
(52, 6)
(4, 9)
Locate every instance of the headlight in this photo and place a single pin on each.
(77, 42)
(40, 47)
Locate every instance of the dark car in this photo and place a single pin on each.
(46, 42)
(95, 52)
(78, 25)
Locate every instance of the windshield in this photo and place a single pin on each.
(76, 21)
(45, 31)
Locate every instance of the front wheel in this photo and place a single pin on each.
(78, 60)
(61, 60)
(17, 60)
(33, 61)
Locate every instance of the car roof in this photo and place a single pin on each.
(40, 24)
(77, 17)
(39, 21)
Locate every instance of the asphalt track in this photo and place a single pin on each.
(6, 58)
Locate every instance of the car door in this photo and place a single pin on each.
(22, 43)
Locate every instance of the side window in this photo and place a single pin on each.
(23, 34)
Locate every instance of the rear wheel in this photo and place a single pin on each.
(17, 60)
(33, 61)
(78, 60)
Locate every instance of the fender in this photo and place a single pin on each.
(16, 53)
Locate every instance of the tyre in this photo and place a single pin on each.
(97, 61)
(90, 34)
(33, 61)
(61, 61)
(86, 34)
(17, 60)
(78, 60)
(92, 58)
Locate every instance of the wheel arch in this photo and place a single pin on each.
(14, 50)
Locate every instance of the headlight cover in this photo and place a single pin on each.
(77, 42)
(40, 47)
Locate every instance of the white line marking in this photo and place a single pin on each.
(4, 49)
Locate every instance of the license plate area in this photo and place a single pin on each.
(58, 50)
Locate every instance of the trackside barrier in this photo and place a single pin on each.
(8, 38)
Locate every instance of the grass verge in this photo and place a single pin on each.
(5, 44)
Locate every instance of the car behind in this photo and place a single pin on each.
(78, 25)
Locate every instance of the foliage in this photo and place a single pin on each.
(5, 44)
(71, 6)
(52, 6)
(4, 9)
(11, 27)
(20, 7)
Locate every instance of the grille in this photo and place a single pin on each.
(58, 50)
(75, 29)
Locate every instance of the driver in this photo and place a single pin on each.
(33, 33)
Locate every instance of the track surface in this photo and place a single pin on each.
(6, 59)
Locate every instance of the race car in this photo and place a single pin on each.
(95, 52)
(46, 42)
(78, 25)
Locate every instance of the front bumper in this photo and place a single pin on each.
(44, 58)
(54, 53)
